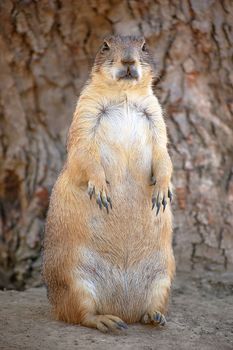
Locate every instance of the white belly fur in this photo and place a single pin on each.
(123, 292)
(124, 137)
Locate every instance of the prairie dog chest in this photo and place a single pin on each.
(125, 132)
(125, 124)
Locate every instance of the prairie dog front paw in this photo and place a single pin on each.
(161, 195)
(100, 191)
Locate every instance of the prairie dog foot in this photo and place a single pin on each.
(156, 318)
(105, 323)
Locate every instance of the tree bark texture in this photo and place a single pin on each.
(46, 51)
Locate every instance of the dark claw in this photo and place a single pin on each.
(152, 181)
(158, 317)
(99, 202)
(119, 327)
(163, 321)
(164, 203)
(153, 202)
(109, 201)
(169, 195)
(105, 204)
(107, 182)
(91, 192)
(158, 204)
(122, 325)
(158, 207)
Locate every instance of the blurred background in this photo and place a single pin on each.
(46, 52)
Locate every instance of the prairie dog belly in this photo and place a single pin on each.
(124, 138)
(123, 292)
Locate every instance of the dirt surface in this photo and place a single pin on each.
(200, 317)
(47, 49)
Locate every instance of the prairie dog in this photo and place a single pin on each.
(108, 259)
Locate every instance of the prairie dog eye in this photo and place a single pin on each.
(105, 47)
(144, 47)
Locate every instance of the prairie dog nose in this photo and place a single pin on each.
(128, 60)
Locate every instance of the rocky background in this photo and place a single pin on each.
(46, 51)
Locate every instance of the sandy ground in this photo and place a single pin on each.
(200, 317)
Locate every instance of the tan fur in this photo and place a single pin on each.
(101, 267)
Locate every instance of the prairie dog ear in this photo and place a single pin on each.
(106, 43)
(105, 46)
(144, 46)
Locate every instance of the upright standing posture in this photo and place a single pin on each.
(108, 256)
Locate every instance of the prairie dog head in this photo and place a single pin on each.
(125, 61)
